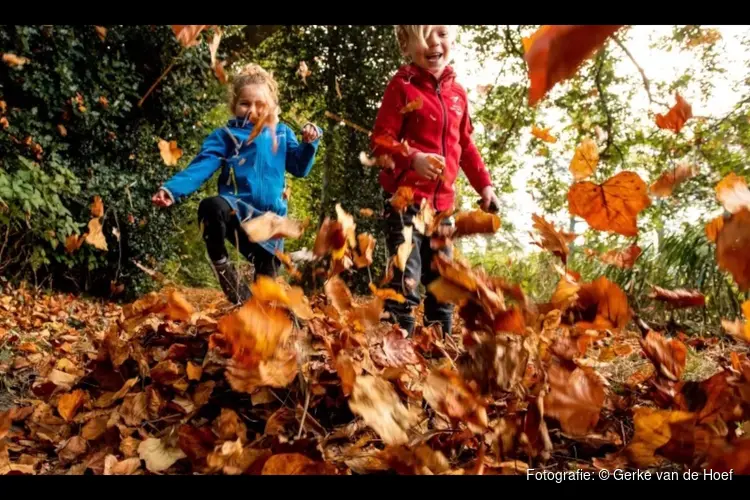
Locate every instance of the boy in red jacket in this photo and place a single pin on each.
(440, 128)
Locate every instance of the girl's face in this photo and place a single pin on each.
(252, 102)
(435, 53)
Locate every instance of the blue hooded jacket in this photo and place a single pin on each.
(252, 178)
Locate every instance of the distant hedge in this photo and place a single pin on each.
(71, 129)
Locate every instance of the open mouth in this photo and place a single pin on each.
(434, 57)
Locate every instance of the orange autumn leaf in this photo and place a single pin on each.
(476, 222)
(73, 242)
(448, 394)
(511, 320)
(295, 464)
(607, 300)
(366, 247)
(566, 292)
(101, 31)
(679, 298)
(714, 227)
(555, 52)
(653, 430)
(584, 160)
(391, 145)
(575, 399)
(739, 329)
(187, 34)
(255, 330)
(366, 212)
(669, 180)
(387, 294)
(14, 61)
(402, 198)
(382, 161)
(612, 206)
(169, 151)
(731, 248)
(69, 404)
(668, 356)
(733, 194)
(267, 289)
(543, 134)
(676, 117)
(624, 259)
(413, 105)
(178, 308)
(303, 71)
(552, 240)
(97, 207)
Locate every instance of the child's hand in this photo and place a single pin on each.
(426, 165)
(161, 199)
(310, 133)
(489, 199)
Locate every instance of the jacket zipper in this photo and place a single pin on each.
(445, 127)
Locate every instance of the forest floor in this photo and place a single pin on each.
(179, 383)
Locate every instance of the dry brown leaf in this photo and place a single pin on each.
(71, 449)
(448, 394)
(376, 401)
(95, 235)
(109, 398)
(404, 249)
(158, 456)
(270, 225)
(113, 467)
(187, 34)
(607, 300)
(552, 240)
(575, 399)
(295, 464)
(624, 259)
(669, 356)
(679, 298)
(228, 425)
(194, 372)
(669, 180)
(476, 222)
(366, 247)
(95, 427)
(653, 430)
(134, 408)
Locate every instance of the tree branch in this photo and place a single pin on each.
(603, 101)
(646, 81)
(510, 44)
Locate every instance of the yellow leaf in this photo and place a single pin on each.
(585, 160)
(95, 235)
(170, 153)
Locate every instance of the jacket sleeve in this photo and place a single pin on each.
(471, 161)
(300, 156)
(207, 161)
(389, 122)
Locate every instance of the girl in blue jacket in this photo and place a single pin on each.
(252, 178)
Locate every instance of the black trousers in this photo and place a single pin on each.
(418, 269)
(220, 225)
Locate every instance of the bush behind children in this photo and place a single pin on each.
(254, 151)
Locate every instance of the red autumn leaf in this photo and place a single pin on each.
(679, 298)
(555, 52)
(669, 180)
(676, 117)
(612, 206)
(668, 356)
(575, 399)
(552, 240)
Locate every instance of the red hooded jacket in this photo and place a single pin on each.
(441, 126)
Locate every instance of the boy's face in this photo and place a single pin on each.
(434, 54)
(252, 102)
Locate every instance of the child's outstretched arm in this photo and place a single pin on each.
(299, 157)
(189, 180)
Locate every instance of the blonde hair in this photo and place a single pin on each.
(406, 33)
(252, 74)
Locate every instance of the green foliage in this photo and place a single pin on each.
(77, 99)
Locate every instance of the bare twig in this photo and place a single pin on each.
(646, 81)
(161, 77)
(5, 241)
(304, 414)
(603, 101)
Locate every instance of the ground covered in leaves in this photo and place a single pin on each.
(179, 382)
